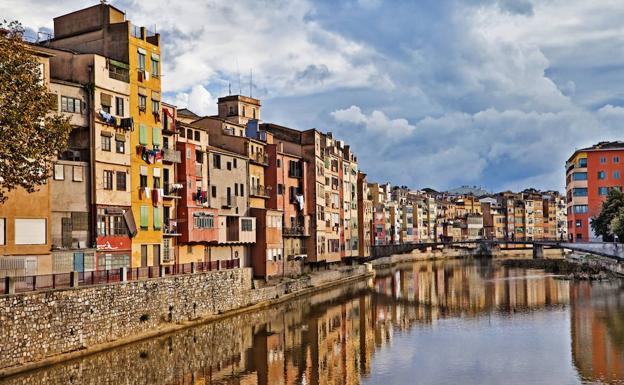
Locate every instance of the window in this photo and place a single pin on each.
(141, 61)
(106, 143)
(156, 137)
(579, 176)
(121, 180)
(579, 192)
(120, 146)
(199, 157)
(182, 131)
(236, 189)
(603, 191)
(216, 161)
(279, 163)
(603, 160)
(157, 218)
(616, 159)
(156, 182)
(142, 102)
(203, 221)
(30, 231)
(602, 175)
(119, 106)
(69, 104)
(189, 134)
(616, 175)
(59, 172)
(144, 217)
(214, 191)
(143, 134)
(580, 209)
(228, 165)
(280, 189)
(154, 63)
(579, 223)
(77, 174)
(108, 180)
(2, 231)
(234, 163)
(246, 225)
(143, 181)
(242, 190)
(197, 138)
(582, 162)
(110, 224)
(155, 106)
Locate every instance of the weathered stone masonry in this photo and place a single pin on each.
(35, 326)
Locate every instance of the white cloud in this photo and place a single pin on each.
(199, 100)
(377, 122)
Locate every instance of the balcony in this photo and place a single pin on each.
(171, 156)
(172, 190)
(295, 231)
(259, 158)
(170, 228)
(291, 252)
(259, 191)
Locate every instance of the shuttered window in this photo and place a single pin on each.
(144, 216)
(156, 138)
(156, 218)
(142, 134)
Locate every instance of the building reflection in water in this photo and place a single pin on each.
(332, 337)
(597, 327)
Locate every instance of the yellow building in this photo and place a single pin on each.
(146, 142)
(104, 30)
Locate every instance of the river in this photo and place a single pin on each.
(435, 322)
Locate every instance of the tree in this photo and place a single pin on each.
(30, 135)
(607, 221)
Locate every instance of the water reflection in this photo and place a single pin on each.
(428, 322)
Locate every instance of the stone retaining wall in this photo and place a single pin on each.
(35, 326)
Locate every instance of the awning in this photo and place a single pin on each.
(118, 64)
(155, 95)
(106, 99)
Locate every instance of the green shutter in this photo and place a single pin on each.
(156, 218)
(156, 141)
(142, 134)
(144, 216)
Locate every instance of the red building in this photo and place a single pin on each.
(590, 173)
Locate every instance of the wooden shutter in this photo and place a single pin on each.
(142, 134)
(129, 218)
(156, 138)
(106, 99)
(157, 218)
(144, 216)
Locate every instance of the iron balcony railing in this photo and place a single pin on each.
(294, 231)
(260, 158)
(259, 191)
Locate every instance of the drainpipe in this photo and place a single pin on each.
(91, 108)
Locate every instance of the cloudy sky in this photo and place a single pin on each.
(435, 93)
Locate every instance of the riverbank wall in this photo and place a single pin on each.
(453, 253)
(42, 328)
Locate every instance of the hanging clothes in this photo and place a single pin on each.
(106, 117)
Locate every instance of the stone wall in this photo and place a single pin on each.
(34, 326)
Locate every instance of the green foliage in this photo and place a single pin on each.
(30, 135)
(611, 217)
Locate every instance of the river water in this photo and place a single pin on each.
(443, 322)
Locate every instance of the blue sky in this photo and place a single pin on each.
(430, 93)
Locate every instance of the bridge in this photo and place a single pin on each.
(612, 251)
